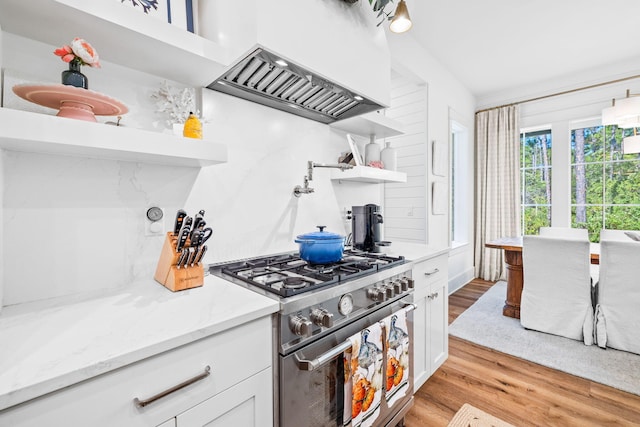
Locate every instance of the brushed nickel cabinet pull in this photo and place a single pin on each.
(142, 403)
(429, 273)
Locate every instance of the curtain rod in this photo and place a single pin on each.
(564, 92)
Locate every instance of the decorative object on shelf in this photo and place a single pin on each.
(376, 164)
(357, 158)
(176, 12)
(192, 127)
(78, 53)
(176, 104)
(72, 102)
(116, 123)
(371, 151)
(146, 5)
(389, 157)
(400, 20)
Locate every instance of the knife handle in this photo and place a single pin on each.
(191, 257)
(179, 219)
(196, 238)
(182, 258)
(206, 233)
(182, 240)
(197, 220)
(200, 255)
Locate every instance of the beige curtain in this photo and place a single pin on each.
(497, 186)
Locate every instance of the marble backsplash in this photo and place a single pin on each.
(74, 226)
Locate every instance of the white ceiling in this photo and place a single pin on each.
(494, 46)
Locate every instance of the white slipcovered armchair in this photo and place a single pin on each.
(618, 303)
(579, 233)
(556, 297)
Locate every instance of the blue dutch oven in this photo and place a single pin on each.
(321, 247)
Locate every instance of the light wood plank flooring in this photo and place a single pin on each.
(520, 392)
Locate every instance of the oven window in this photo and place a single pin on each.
(327, 393)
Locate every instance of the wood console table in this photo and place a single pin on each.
(512, 247)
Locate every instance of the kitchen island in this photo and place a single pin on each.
(51, 345)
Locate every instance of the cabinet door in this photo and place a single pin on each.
(247, 404)
(438, 333)
(421, 364)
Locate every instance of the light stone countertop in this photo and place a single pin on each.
(415, 252)
(48, 346)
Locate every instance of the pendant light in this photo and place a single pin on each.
(401, 21)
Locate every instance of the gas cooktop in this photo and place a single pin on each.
(287, 274)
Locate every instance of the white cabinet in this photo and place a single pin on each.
(430, 318)
(247, 404)
(239, 386)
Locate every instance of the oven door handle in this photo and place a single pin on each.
(310, 365)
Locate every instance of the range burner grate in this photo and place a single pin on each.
(288, 275)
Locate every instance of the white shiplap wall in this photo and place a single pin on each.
(406, 206)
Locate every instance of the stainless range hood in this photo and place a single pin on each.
(267, 79)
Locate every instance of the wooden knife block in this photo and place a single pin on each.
(171, 277)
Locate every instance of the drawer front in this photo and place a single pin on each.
(430, 271)
(107, 400)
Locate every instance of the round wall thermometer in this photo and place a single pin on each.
(154, 214)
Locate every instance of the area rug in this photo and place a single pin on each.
(484, 324)
(470, 416)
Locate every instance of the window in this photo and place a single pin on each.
(460, 175)
(535, 169)
(605, 184)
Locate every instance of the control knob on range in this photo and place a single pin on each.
(300, 325)
(409, 281)
(322, 317)
(377, 294)
(397, 287)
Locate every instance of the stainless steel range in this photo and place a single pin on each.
(321, 306)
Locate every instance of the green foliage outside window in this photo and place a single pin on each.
(605, 184)
(535, 166)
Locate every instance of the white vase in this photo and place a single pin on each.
(371, 152)
(389, 157)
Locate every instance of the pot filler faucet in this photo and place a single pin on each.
(305, 189)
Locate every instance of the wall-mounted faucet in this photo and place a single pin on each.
(305, 189)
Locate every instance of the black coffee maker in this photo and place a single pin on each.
(365, 226)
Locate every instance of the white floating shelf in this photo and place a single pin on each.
(41, 133)
(368, 174)
(121, 34)
(370, 124)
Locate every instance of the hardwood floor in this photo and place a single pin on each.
(520, 392)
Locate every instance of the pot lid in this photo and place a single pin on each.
(321, 235)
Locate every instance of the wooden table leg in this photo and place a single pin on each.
(513, 261)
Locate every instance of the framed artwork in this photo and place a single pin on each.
(181, 13)
(439, 198)
(157, 8)
(176, 12)
(357, 158)
(439, 158)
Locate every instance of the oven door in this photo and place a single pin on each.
(311, 380)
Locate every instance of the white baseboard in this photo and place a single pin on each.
(460, 280)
